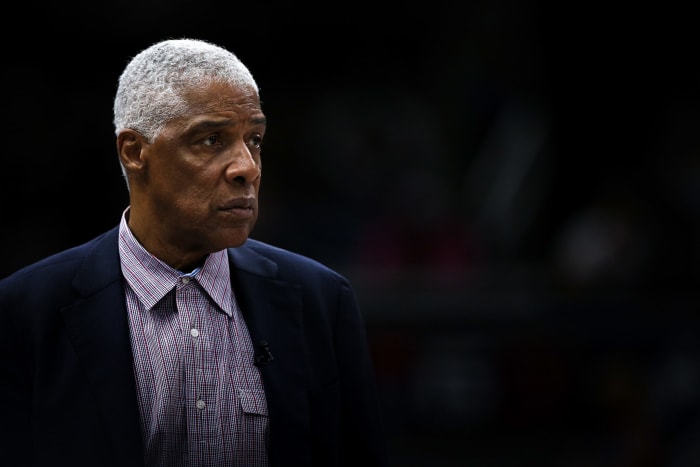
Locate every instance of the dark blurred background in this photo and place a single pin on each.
(513, 187)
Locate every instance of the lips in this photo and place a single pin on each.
(244, 202)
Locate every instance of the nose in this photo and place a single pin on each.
(244, 167)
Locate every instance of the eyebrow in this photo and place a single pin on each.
(259, 120)
(213, 124)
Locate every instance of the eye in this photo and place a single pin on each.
(255, 141)
(211, 140)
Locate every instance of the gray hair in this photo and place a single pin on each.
(151, 86)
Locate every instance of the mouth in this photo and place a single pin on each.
(239, 209)
(242, 203)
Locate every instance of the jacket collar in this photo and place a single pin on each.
(272, 309)
(98, 328)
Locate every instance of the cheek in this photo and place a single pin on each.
(192, 199)
(182, 195)
(169, 177)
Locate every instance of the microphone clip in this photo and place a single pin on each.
(266, 356)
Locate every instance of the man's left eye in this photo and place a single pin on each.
(255, 141)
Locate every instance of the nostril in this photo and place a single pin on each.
(242, 173)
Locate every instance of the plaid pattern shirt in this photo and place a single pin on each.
(201, 398)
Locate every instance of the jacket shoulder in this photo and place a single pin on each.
(265, 259)
(56, 265)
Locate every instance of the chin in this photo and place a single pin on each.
(234, 239)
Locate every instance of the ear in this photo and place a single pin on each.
(130, 144)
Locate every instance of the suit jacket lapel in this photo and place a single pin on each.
(272, 311)
(97, 325)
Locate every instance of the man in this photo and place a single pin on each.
(174, 339)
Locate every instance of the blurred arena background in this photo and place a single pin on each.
(513, 188)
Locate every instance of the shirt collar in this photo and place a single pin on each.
(151, 279)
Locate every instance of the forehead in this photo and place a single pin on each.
(219, 97)
(215, 107)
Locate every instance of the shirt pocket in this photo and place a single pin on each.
(253, 402)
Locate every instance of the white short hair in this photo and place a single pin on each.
(150, 88)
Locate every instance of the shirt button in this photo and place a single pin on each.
(201, 404)
(194, 332)
(185, 280)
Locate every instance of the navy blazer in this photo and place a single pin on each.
(68, 387)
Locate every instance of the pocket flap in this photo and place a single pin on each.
(253, 402)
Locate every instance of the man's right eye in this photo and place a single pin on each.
(211, 140)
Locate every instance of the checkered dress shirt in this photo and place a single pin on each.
(201, 398)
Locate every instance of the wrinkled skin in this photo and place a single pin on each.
(194, 189)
